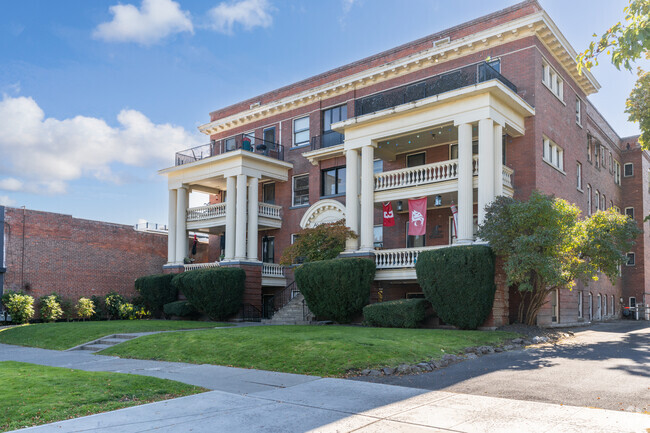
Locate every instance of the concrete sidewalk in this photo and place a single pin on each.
(260, 401)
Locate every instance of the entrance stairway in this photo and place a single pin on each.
(295, 312)
(105, 342)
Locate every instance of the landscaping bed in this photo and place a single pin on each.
(336, 351)
(65, 335)
(34, 394)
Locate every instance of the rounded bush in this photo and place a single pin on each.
(403, 313)
(336, 289)
(215, 292)
(50, 308)
(156, 291)
(181, 309)
(459, 283)
(85, 308)
(19, 305)
(113, 303)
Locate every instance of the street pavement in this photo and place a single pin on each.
(605, 366)
(260, 401)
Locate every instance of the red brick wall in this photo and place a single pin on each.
(76, 257)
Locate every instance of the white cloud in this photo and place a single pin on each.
(155, 20)
(248, 13)
(6, 201)
(41, 155)
(347, 5)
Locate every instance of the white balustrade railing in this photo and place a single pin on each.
(272, 270)
(270, 210)
(194, 266)
(401, 257)
(206, 212)
(421, 175)
(507, 176)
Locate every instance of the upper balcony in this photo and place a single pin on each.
(247, 142)
(463, 77)
(212, 218)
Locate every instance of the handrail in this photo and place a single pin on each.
(206, 212)
(195, 266)
(421, 174)
(270, 210)
(507, 173)
(400, 257)
(272, 270)
(246, 142)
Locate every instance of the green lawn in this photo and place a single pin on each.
(64, 335)
(316, 350)
(34, 394)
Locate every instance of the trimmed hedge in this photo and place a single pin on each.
(215, 292)
(156, 291)
(180, 309)
(336, 289)
(403, 313)
(459, 283)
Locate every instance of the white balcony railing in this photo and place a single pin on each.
(507, 176)
(194, 266)
(206, 212)
(272, 270)
(420, 175)
(270, 210)
(401, 257)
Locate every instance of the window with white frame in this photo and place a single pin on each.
(632, 301)
(596, 155)
(605, 305)
(579, 305)
(579, 175)
(617, 209)
(578, 117)
(631, 260)
(589, 148)
(552, 80)
(629, 211)
(603, 202)
(628, 169)
(588, 199)
(300, 190)
(597, 200)
(553, 154)
(611, 162)
(294, 238)
(617, 172)
(378, 236)
(603, 153)
(612, 310)
(301, 131)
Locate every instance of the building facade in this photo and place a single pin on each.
(494, 106)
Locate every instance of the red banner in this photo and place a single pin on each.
(418, 217)
(389, 217)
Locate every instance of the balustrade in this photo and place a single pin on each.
(401, 257)
(206, 212)
(272, 270)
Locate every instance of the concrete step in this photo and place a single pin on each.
(95, 347)
(113, 341)
(124, 336)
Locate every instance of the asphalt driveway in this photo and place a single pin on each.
(605, 366)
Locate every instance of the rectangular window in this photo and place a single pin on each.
(603, 154)
(268, 193)
(628, 169)
(603, 202)
(552, 80)
(330, 116)
(453, 150)
(589, 148)
(378, 166)
(630, 259)
(415, 159)
(301, 190)
(596, 156)
(579, 305)
(378, 236)
(611, 303)
(578, 119)
(413, 241)
(611, 163)
(269, 136)
(294, 238)
(333, 181)
(553, 154)
(605, 305)
(588, 199)
(632, 301)
(230, 144)
(617, 172)
(301, 131)
(268, 249)
(629, 211)
(579, 176)
(597, 200)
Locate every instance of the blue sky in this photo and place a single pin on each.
(97, 95)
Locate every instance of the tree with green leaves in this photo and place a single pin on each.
(626, 43)
(323, 242)
(546, 246)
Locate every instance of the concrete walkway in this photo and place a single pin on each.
(260, 401)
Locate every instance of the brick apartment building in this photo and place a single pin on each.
(491, 107)
(44, 252)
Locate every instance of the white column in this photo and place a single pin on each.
(465, 229)
(181, 225)
(231, 197)
(485, 166)
(171, 227)
(498, 160)
(352, 196)
(240, 223)
(252, 218)
(367, 199)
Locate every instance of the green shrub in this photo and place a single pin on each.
(216, 292)
(403, 313)
(85, 308)
(19, 305)
(127, 311)
(156, 291)
(336, 289)
(459, 283)
(100, 307)
(51, 309)
(180, 309)
(113, 302)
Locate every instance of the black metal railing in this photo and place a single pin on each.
(282, 298)
(465, 76)
(246, 142)
(327, 139)
(250, 313)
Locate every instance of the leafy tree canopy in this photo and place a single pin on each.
(546, 246)
(322, 242)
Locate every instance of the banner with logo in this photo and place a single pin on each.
(389, 217)
(418, 217)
